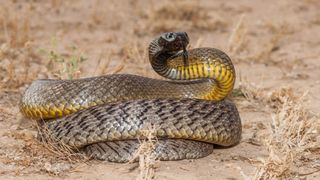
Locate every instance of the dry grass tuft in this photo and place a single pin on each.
(45, 156)
(145, 154)
(12, 76)
(254, 96)
(57, 149)
(291, 137)
(250, 91)
(16, 49)
(16, 26)
(261, 51)
(292, 133)
(104, 67)
(183, 16)
(135, 56)
(279, 31)
(237, 39)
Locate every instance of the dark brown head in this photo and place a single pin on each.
(168, 45)
(170, 42)
(173, 41)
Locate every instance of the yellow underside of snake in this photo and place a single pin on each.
(104, 116)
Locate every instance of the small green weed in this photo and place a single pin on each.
(63, 66)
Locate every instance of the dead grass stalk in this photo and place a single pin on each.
(292, 133)
(190, 16)
(59, 150)
(145, 154)
(237, 38)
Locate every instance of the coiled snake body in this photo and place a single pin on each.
(105, 115)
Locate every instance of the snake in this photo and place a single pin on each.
(107, 116)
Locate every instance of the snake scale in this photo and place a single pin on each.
(105, 116)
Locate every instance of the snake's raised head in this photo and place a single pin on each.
(173, 41)
(168, 44)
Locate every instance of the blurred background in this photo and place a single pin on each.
(109, 36)
(272, 43)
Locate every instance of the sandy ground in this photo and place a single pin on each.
(272, 43)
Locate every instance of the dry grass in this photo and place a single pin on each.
(145, 154)
(16, 26)
(56, 148)
(244, 47)
(104, 66)
(16, 49)
(42, 156)
(249, 95)
(292, 133)
(63, 66)
(250, 91)
(135, 56)
(237, 39)
(12, 77)
(180, 16)
(45, 156)
(291, 137)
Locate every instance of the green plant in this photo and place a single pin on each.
(63, 66)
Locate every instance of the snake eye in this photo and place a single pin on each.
(169, 36)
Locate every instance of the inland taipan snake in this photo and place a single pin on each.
(104, 116)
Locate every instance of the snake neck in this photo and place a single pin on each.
(208, 65)
(158, 58)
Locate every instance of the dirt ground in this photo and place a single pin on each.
(273, 44)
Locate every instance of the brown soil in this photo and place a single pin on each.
(272, 43)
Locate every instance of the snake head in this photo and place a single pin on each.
(173, 41)
(168, 46)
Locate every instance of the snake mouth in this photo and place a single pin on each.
(183, 38)
(184, 41)
(185, 55)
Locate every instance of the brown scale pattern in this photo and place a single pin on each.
(188, 119)
(105, 115)
(62, 97)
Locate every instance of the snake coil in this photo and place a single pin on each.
(105, 115)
